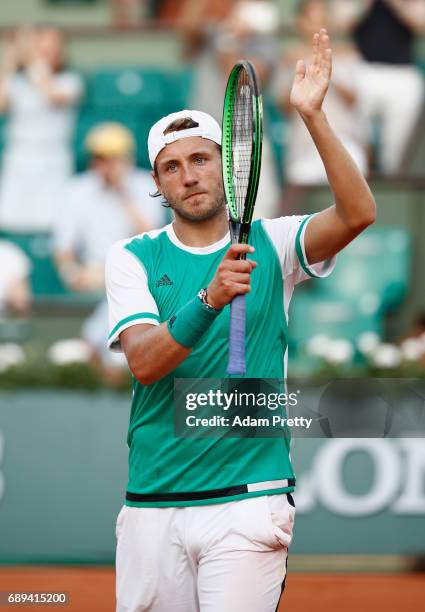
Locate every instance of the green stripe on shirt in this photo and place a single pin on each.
(299, 250)
(140, 315)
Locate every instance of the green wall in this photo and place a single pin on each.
(27, 11)
(98, 13)
(63, 475)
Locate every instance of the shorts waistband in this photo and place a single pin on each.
(212, 493)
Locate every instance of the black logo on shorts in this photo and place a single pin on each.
(172, 320)
(164, 281)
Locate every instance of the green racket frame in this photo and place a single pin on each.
(240, 223)
(227, 153)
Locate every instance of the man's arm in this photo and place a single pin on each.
(138, 221)
(18, 296)
(129, 207)
(67, 235)
(77, 276)
(354, 209)
(410, 12)
(345, 15)
(192, 21)
(152, 352)
(58, 91)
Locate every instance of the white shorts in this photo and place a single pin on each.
(215, 558)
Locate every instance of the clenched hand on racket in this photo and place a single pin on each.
(232, 277)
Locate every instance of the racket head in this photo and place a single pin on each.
(242, 138)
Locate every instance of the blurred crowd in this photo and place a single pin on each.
(374, 103)
(84, 214)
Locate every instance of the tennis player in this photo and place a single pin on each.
(207, 522)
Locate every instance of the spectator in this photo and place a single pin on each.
(15, 292)
(109, 202)
(217, 34)
(303, 165)
(390, 85)
(39, 94)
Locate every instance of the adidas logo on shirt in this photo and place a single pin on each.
(164, 281)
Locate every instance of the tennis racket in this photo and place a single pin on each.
(241, 160)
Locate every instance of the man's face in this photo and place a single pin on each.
(110, 169)
(188, 174)
(312, 17)
(49, 47)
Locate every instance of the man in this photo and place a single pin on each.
(105, 204)
(216, 34)
(303, 165)
(390, 85)
(208, 522)
(40, 94)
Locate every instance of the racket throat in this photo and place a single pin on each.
(239, 232)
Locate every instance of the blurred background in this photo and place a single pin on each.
(81, 82)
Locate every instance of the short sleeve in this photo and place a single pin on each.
(287, 235)
(129, 300)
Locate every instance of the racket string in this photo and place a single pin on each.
(242, 140)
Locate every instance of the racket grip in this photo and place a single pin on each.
(236, 364)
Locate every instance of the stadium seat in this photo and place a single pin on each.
(375, 267)
(311, 314)
(44, 278)
(139, 88)
(46, 285)
(136, 98)
(138, 122)
(90, 116)
(124, 87)
(180, 83)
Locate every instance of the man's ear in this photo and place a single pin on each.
(155, 178)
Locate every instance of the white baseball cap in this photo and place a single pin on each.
(207, 128)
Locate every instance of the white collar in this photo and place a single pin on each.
(206, 250)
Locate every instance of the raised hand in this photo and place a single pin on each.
(311, 82)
